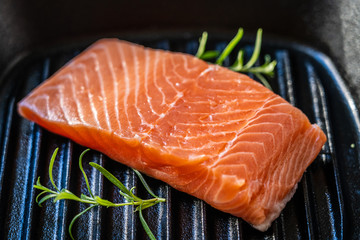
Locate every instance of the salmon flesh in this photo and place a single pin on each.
(203, 129)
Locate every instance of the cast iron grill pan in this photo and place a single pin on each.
(325, 206)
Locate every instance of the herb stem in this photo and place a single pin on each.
(153, 200)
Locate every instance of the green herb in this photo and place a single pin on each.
(201, 51)
(94, 200)
(232, 44)
(266, 69)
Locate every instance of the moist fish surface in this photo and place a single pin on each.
(203, 129)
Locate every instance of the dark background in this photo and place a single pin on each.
(26, 26)
(329, 25)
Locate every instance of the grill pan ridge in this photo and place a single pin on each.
(324, 206)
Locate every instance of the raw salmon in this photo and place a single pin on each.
(205, 130)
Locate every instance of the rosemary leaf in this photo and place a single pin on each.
(104, 202)
(209, 55)
(38, 182)
(230, 46)
(127, 197)
(51, 165)
(267, 69)
(111, 178)
(145, 183)
(145, 205)
(144, 224)
(40, 187)
(84, 197)
(239, 63)
(64, 194)
(76, 217)
(83, 172)
(39, 195)
(202, 44)
(263, 80)
(46, 198)
(256, 52)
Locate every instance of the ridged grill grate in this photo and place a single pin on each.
(324, 206)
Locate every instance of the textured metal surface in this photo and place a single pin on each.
(325, 205)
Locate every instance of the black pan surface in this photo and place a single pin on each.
(326, 204)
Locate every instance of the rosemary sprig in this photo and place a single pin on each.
(94, 200)
(266, 69)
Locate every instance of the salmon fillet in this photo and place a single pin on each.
(203, 129)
